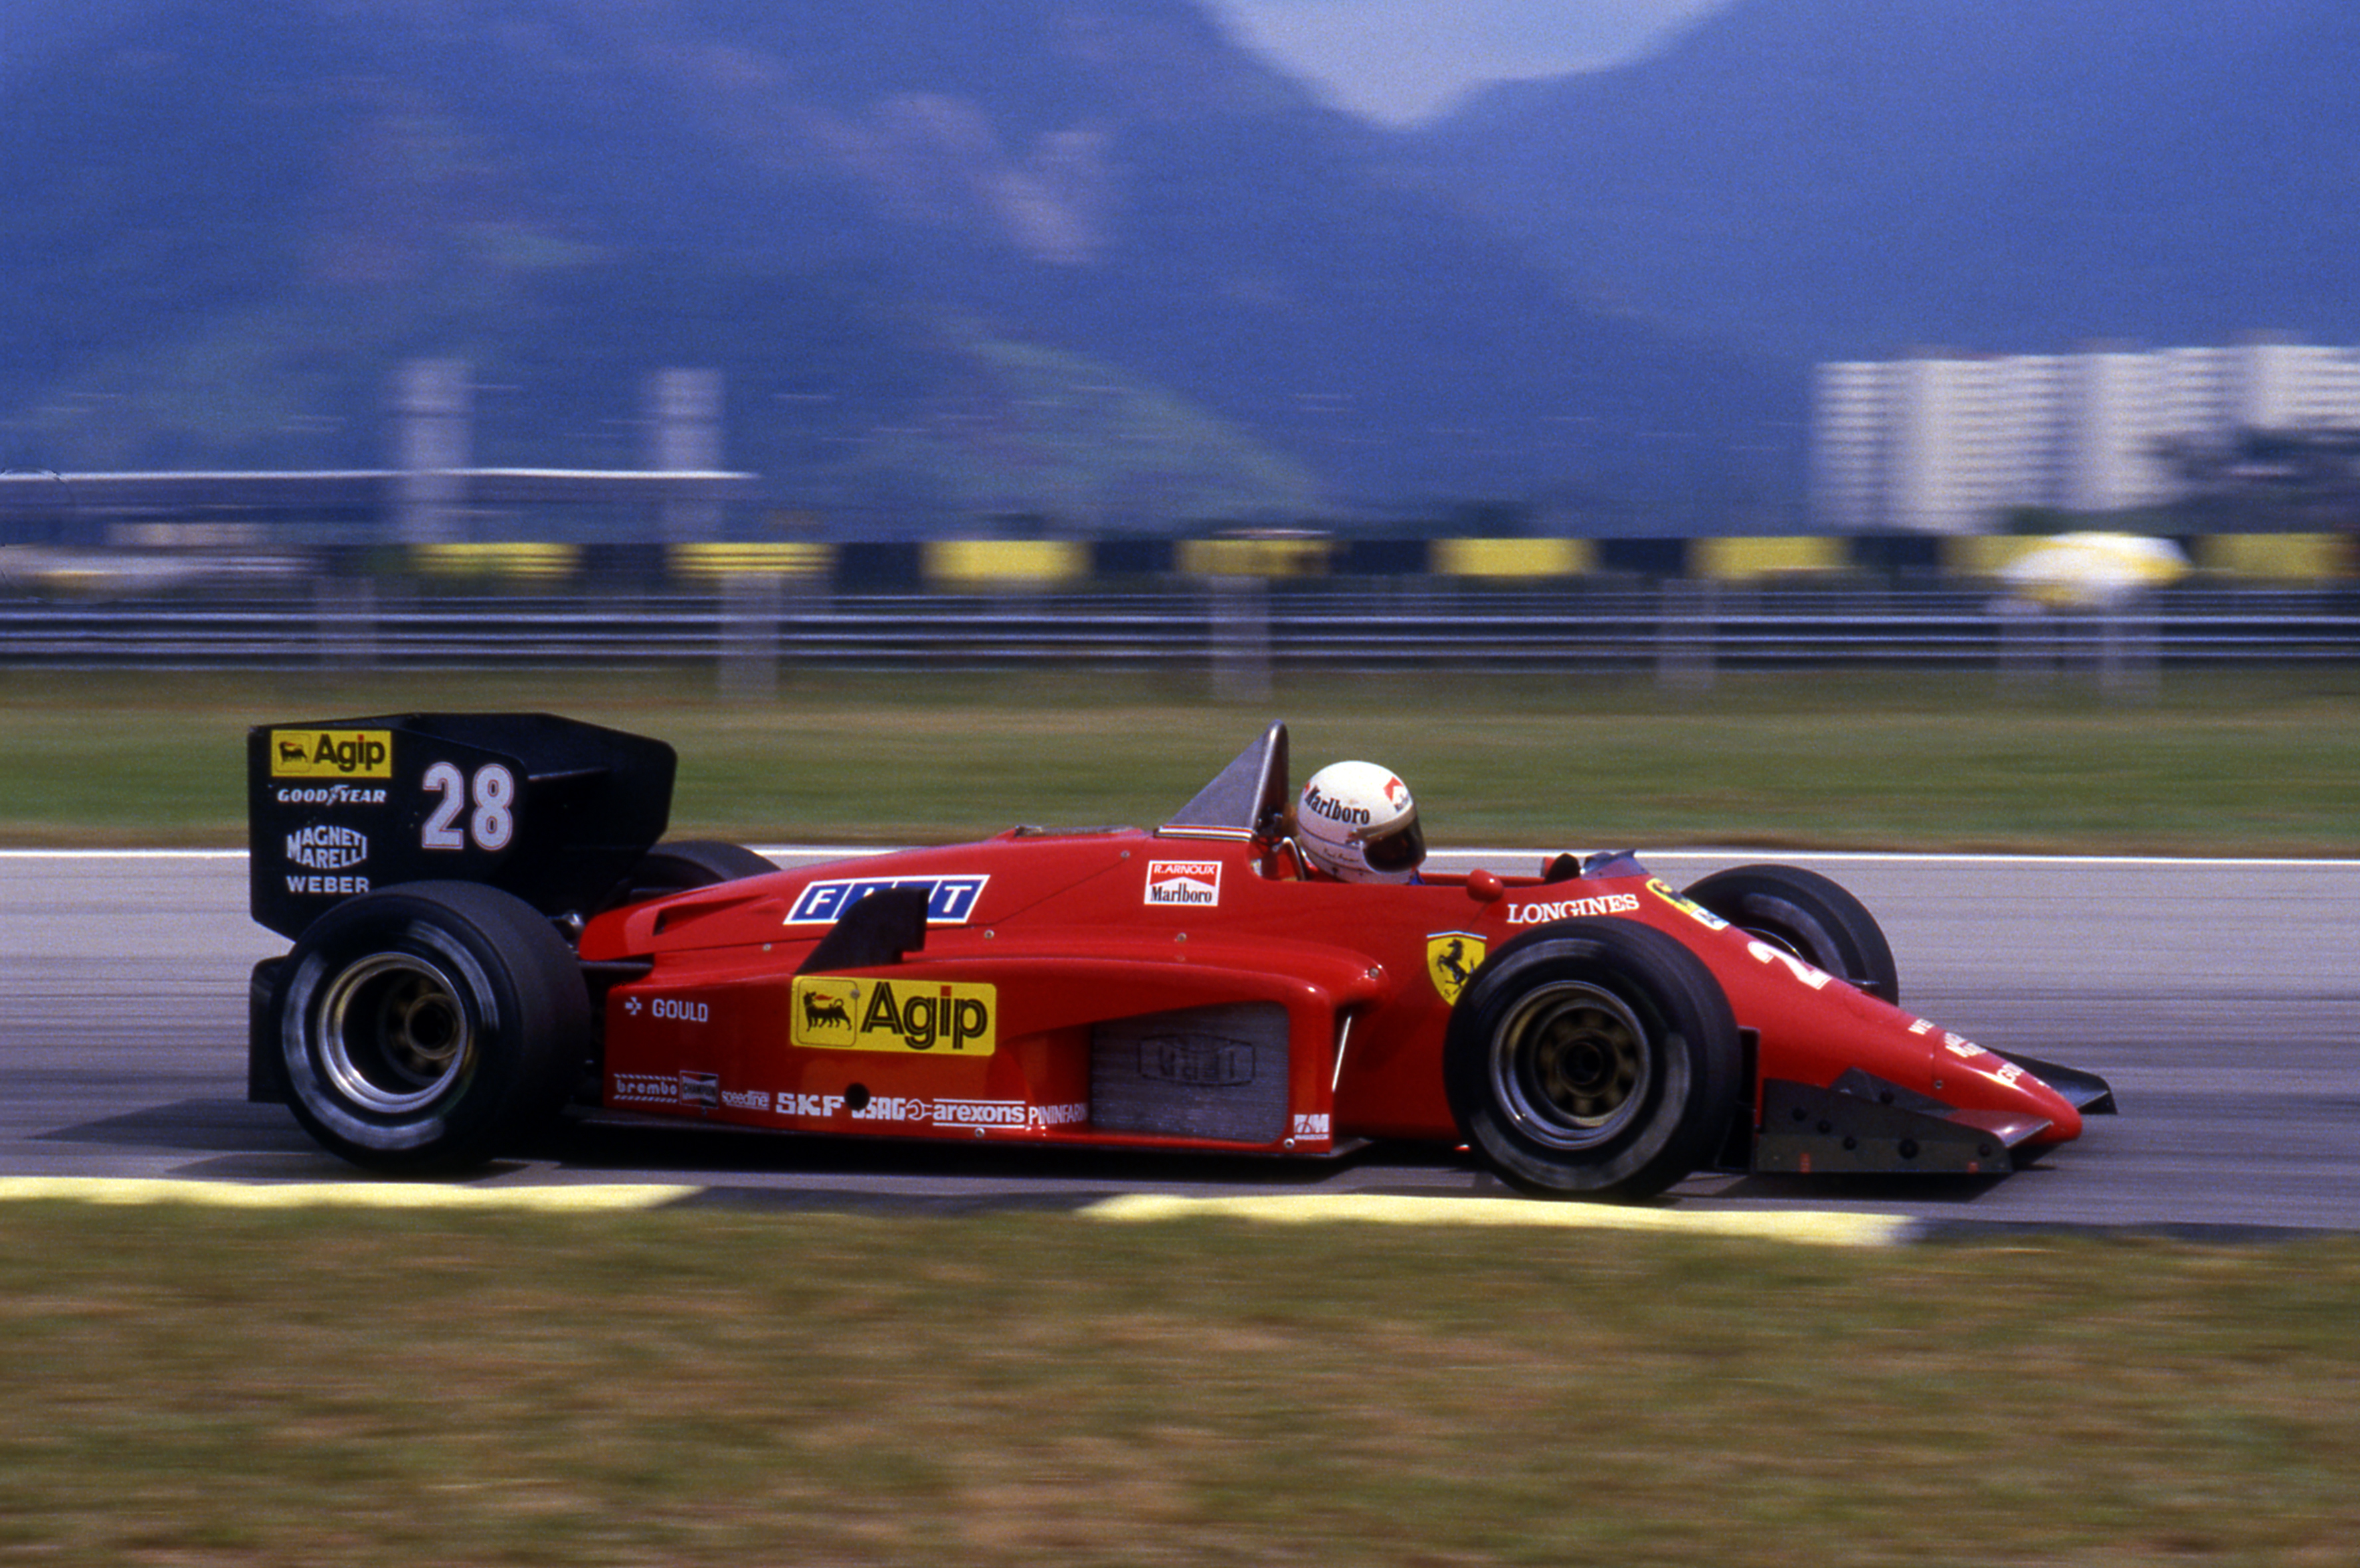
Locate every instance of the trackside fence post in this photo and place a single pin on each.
(1684, 635)
(749, 606)
(2028, 644)
(2128, 662)
(343, 620)
(1241, 639)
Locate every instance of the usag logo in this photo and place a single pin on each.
(1685, 904)
(953, 1016)
(332, 754)
(949, 899)
(1195, 882)
(1450, 961)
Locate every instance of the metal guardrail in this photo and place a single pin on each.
(1239, 631)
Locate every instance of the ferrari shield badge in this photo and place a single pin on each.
(1450, 961)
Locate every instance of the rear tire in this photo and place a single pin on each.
(1593, 1058)
(428, 1026)
(677, 866)
(1808, 915)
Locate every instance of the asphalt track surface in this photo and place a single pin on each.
(2222, 999)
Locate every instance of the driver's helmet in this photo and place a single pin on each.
(1357, 823)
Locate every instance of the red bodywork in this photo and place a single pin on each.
(1057, 997)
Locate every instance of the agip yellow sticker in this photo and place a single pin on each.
(949, 1017)
(332, 754)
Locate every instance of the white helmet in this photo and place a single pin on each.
(1358, 824)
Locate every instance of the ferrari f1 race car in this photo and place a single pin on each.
(486, 931)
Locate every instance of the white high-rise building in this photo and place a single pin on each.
(1947, 445)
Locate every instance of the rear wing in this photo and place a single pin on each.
(552, 809)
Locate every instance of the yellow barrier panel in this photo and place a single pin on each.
(535, 563)
(711, 563)
(1005, 563)
(1734, 559)
(1986, 555)
(129, 1191)
(2280, 558)
(1512, 557)
(1814, 1228)
(1283, 556)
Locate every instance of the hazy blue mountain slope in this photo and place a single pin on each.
(1842, 177)
(1080, 256)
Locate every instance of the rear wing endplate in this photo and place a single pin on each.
(552, 809)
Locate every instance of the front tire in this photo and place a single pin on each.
(1593, 1058)
(428, 1026)
(1808, 915)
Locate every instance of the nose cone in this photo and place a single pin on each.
(1973, 1079)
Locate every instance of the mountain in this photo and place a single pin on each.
(1081, 258)
(1830, 179)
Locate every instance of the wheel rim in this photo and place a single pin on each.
(394, 1034)
(1572, 1066)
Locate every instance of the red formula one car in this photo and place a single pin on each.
(485, 930)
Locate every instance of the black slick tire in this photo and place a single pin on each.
(427, 1026)
(685, 864)
(1593, 1058)
(1808, 915)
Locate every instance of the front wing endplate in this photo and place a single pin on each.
(1807, 1130)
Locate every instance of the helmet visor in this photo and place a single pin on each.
(1400, 848)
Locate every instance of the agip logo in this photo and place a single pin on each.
(949, 1017)
(332, 754)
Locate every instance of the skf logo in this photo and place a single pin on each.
(1450, 961)
(948, 1015)
(332, 754)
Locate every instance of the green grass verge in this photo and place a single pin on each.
(2250, 763)
(701, 1387)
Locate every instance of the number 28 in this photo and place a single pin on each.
(493, 822)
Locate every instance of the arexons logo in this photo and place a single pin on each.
(330, 754)
(324, 846)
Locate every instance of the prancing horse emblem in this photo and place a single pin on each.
(1450, 961)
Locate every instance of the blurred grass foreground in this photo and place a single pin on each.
(2246, 763)
(711, 1387)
